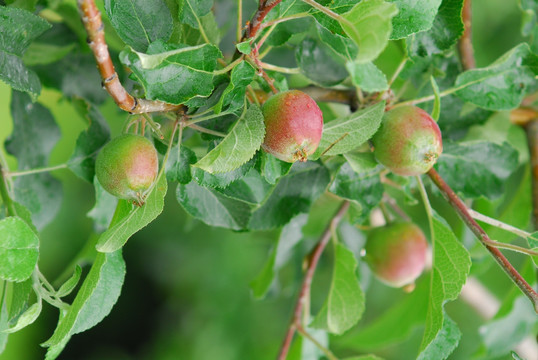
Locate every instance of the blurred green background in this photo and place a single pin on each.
(186, 293)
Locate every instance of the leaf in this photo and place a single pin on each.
(118, 234)
(68, 286)
(221, 180)
(451, 264)
(413, 16)
(369, 26)
(367, 76)
(94, 301)
(17, 30)
(239, 146)
(89, 142)
(364, 357)
(394, 325)
(445, 32)
(190, 11)
(437, 101)
(233, 97)
(244, 47)
(103, 210)
(180, 169)
(362, 186)
(503, 84)
(212, 207)
(290, 197)
(273, 168)
(351, 131)
(19, 249)
(135, 21)
(27, 318)
(290, 235)
(319, 63)
(178, 77)
(342, 45)
(468, 167)
(250, 188)
(345, 303)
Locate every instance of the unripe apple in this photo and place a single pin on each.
(408, 141)
(396, 253)
(127, 166)
(293, 125)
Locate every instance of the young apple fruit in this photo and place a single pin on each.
(408, 141)
(293, 126)
(127, 166)
(396, 253)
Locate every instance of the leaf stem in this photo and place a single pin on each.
(499, 224)
(204, 130)
(239, 20)
(281, 69)
(38, 170)
(431, 97)
(461, 210)
(228, 67)
(283, 19)
(326, 351)
(4, 194)
(307, 281)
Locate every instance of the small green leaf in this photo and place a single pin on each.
(19, 249)
(136, 23)
(221, 180)
(451, 264)
(89, 142)
(413, 16)
(320, 63)
(118, 234)
(94, 301)
(180, 169)
(239, 146)
(244, 47)
(273, 168)
(503, 84)
(369, 25)
(342, 45)
(178, 75)
(28, 317)
(347, 133)
(345, 304)
(190, 11)
(233, 97)
(250, 188)
(103, 210)
(290, 235)
(437, 101)
(290, 197)
(367, 76)
(68, 286)
(212, 207)
(468, 169)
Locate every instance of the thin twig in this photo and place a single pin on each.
(307, 281)
(254, 25)
(91, 18)
(465, 45)
(461, 210)
(532, 136)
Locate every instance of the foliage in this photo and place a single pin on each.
(200, 72)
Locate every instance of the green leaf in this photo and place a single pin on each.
(180, 169)
(94, 301)
(118, 234)
(177, 73)
(239, 146)
(533, 244)
(320, 63)
(28, 317)
(273, 168)
(503, 84)
(362, 186)
(212, 207)
(68, 286)
(468, 167)
(345, 303)
(244, 47)
(233, 97)
(221, 180)
(364, 357)
(367, 76)
(290, 197)
(136, 23)
(103, 210)
(347, 133)
(290, 235)
(17, 30)
(369, 25)
(19, 249)
(43, 53)
(250, 188)
(437, 101)
(190, 11)
(515, 356)
(394, 325)
(89, 142)
(451, 264)
(342, 45)
(413, 16)
(445, 32)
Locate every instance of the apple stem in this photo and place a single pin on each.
(461, 210)
(312, 262)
